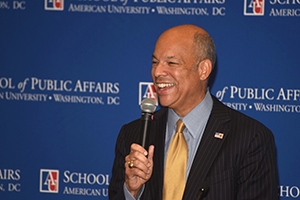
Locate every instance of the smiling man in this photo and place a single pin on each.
(217, 153)
(180, 70)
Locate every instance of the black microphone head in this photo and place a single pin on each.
(148, 105)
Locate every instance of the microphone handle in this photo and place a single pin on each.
(146, 117)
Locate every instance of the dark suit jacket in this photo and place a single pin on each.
(242, 165)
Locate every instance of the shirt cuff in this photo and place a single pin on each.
(128, 195)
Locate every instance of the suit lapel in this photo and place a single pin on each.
(208, 149)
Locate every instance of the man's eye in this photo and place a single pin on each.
(172, 63)
(154, 62)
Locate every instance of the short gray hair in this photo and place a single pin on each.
(205, 47)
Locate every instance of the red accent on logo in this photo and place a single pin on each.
(49, 180)
(258, 6)
(57, 3)
(147, 90)
(151, 92)
(52, 185)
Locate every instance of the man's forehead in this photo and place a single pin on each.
(172, 50)
(167, 57)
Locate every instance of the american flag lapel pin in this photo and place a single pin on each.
(219, 135)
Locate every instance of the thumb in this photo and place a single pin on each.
(150, 152)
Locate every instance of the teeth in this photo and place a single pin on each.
(164, 85)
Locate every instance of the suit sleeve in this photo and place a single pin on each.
(128, 134)
(115, 190)
(258, 178)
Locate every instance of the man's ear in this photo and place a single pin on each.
(204, 69)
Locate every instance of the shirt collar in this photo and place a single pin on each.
(195, 119)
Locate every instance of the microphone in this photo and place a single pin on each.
(148, 107)
(203, 190)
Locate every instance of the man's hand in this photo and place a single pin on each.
(138, 167)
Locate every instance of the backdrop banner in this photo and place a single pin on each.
(72, 72)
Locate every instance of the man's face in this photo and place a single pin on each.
(175, 73)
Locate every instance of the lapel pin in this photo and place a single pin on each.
(219, 135)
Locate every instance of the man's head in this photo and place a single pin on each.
(182, 61)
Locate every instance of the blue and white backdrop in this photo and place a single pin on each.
(73, 71)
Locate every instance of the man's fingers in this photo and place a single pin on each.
(138, 148)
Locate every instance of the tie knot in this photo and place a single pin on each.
(180, 126)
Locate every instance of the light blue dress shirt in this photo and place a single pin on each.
(195, 122)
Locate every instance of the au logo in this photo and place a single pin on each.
(54, 4)
(147, 90)
(254, 7)
(49, 180)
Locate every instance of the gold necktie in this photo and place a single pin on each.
(175, 169)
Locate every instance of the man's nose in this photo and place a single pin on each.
(159, 70)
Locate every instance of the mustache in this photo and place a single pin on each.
(162, 80)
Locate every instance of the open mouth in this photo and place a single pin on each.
(164, 85)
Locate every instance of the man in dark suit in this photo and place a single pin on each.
(230, 156)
